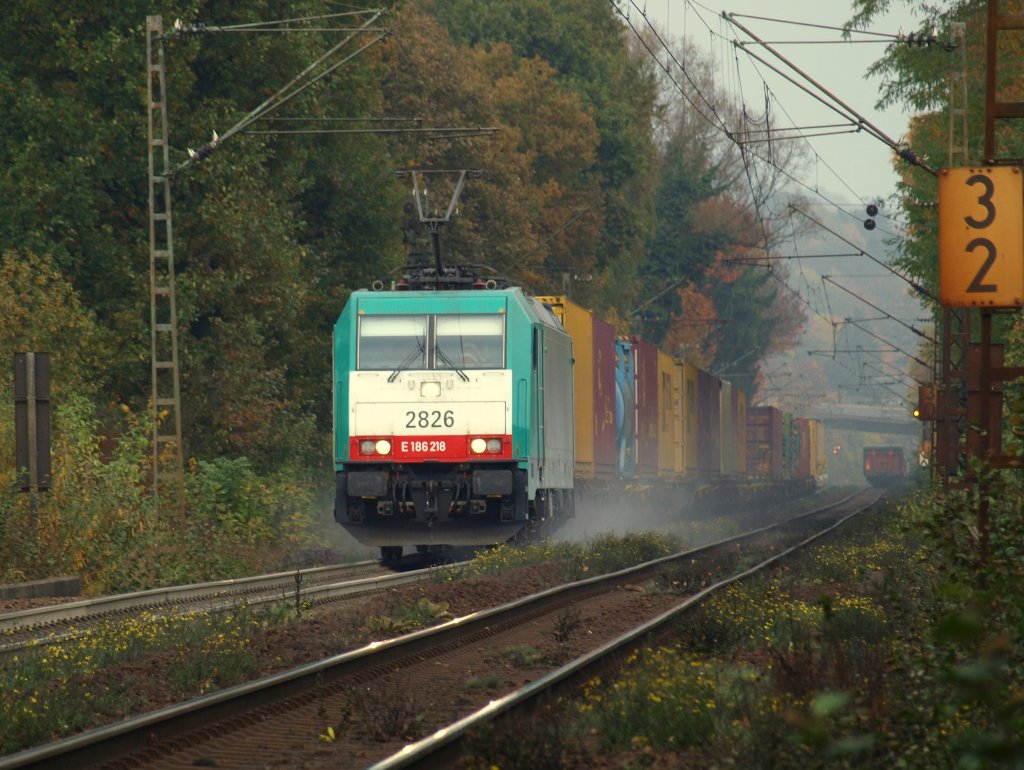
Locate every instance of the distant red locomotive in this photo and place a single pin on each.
(884, 466)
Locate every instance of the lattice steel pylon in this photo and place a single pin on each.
(958, 97)
(949, 459)
(168, 455)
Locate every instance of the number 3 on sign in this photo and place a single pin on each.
(981, 237)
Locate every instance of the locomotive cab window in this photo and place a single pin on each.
(392, 342)
(470, 342)
(398, 343)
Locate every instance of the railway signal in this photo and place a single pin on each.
(927, 403)
(869, 223)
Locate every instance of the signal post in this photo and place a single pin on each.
(981, 265)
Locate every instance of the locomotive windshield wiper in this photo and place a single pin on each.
(462, 375)
(407, 360)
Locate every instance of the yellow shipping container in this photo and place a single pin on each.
(593, 345)
(670, 417)
(819, 453)
(580, 325)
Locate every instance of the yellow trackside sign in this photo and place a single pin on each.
(981, 237)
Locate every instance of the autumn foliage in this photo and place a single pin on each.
(591, 178)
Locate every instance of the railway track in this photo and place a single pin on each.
(325, 713)
(65, 622)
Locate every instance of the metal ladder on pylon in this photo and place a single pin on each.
(168, 463)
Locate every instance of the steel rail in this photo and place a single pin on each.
(141, 732)
(444, 746)
(176, 596)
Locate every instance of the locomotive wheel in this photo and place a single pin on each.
(390, 553)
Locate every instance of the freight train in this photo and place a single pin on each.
(884, 466)
(468, 412)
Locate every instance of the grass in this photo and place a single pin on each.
(402, 618)
(485, 682)
(597, 556)
(667, 701)
(50, 687)
(791, 660)
(840, 658)
(55, 684)
(522, 655)
(795, 672)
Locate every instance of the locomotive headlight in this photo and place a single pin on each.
(478, 446)
(383, 447)
(366, 447)
(494, 445)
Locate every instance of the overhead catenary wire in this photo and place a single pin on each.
(912, 283)
(886, 342)
(818, 158)
(903, 151)
(306, 78)
(717, 121)
(891, 317)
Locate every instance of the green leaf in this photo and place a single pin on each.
(962, 627)
(828, 703)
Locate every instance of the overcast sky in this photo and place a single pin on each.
(853, 166)
(849, 168)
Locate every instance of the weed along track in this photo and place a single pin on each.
(361, 707)
(64, 622)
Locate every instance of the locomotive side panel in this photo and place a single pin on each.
(554, 426)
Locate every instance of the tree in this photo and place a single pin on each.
(270, 232)
(589, 49)
(711, 225)
(917, 75)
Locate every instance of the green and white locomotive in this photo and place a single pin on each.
(453, 414)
